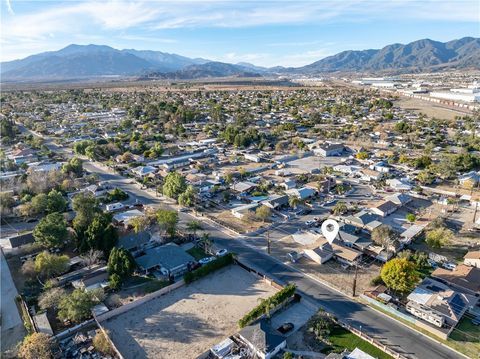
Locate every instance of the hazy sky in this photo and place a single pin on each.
(269, 33)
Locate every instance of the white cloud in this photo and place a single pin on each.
(53, 24)
(9, 7)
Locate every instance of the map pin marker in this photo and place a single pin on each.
(330, 229)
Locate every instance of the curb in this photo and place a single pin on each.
(416, 330)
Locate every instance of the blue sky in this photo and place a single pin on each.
(267, 33)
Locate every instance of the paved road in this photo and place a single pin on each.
(12, 329)
(384, 329)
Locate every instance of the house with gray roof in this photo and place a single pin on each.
(264, 340)
(170, 259)
(134, 241)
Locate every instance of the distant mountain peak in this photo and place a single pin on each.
(86, 61)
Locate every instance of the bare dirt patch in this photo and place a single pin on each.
(189, 320)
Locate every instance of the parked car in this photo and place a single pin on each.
(309, 223)
(221, 252)
(285, 328)
(293, 256)
(449, 265)
(206, 260)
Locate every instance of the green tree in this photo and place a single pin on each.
(263, 212)
(340, 208)
(115, 281)
(228, 177)
(294, 201)
(36, 346)
(74, 166)
(399, 274)
(56, 202)
(193, 227)
(85, 206)
(438, 237)
(168, 220)
(120, 262)
(6, 204)
(48, 265)
(100, 234)
(174, 185)
(383, 235)
(51, 231)
(362, 155)
(410, 217)
(187, 198)
(39, 204)
(77, 306)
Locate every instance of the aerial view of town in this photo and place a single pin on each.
(240, 180)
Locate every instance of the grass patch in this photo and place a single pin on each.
(342, 338)
(155, 285)
(197, 253)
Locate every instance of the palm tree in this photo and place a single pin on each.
(194, 226)
(206, 242)
(294, 201)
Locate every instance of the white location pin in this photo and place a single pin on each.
(330, 229)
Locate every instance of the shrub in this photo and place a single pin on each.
(377, 280)
(101, 343)
(208, 268)
(273, 301)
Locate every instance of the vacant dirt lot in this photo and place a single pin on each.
(189, 320)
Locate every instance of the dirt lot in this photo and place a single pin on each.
(331, 272)
(189, 320)
(428, 108)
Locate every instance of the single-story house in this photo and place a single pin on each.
(127, 216)
(384, 208)
(170, 259)
(380, 166)
(320, 254)
(407, 236)
(400, 199)
(463, 278)
(142, 171)
(471, 178)
(244, 187)
(472, 259)
(363, 219)
(369, 175)
(289, 184)
(134, 241)
(264, 340)
(329, 149)
(354, 237)
(241, 211)
(276, 201)
(399, 184)
(302, 193)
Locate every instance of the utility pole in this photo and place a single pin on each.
(268, 242)
(354, 286)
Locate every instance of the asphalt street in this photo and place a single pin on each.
(403, 339)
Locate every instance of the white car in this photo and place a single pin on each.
(221, 252)
(449, 265)
(309, 223)
(206, 260)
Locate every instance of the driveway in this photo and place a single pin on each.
(12, 329)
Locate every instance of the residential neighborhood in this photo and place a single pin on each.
(130, 202)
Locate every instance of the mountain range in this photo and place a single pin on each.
(90, 61)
